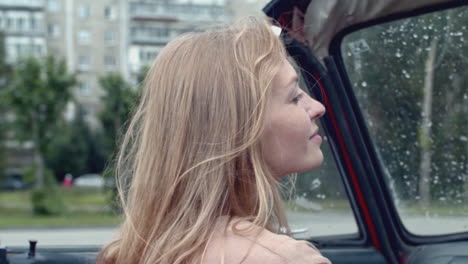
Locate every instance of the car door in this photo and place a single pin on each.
(392, 75)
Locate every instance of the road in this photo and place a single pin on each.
(57, 237)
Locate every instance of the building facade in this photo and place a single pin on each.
(88, 35)
(152, 24)
(23, 25)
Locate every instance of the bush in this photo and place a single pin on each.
(48, 200)
(29, 175)
(111, 188)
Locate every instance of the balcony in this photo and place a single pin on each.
(177, 12)
(149, 39)
(22, 4)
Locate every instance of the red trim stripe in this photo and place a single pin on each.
(354, 181)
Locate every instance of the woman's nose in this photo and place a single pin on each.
(316, 109)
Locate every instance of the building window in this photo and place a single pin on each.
(109, 37)
(8, 23)
(85, 88)
(84, 11)
(84, 37)
(158, 32)
(142, 55)
(147, 56)
(110, 13)
(19, 50)
(109, 62)
(33, 23)
(38, 51)
(86, 110)
(53, 6)
(53, 30)
(20, 24)
(84, 62)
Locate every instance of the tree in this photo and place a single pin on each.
(142, 74)
(75, 150)
(118, 99)
(425, 131)
(5, 71)
(37, 97)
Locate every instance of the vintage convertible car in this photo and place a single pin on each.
(385, 71)
(393, 77)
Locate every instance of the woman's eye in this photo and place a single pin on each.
(298, 97)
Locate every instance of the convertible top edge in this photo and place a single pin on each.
(325, 18)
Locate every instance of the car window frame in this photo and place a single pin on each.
(404, 237)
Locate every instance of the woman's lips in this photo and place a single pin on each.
(316, 138)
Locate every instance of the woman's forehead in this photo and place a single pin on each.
(284, 78)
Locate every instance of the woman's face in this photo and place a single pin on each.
(291, 142)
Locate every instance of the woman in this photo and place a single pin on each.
(221, 119)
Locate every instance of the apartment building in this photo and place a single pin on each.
(152, 24)
(88, 34)
(22, 23)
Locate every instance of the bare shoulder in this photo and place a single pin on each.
(259, 246)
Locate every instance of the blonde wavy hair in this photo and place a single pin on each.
(191, 153)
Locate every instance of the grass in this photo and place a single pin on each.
(22, 220)
(85, 207)
(326, 205)
(441, 209)
(90, 207)
(408, 208)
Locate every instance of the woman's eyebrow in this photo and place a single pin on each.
(294, 79)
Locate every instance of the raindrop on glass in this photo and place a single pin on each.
(456, 34)
(315, 184)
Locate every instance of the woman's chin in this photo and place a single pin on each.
(313, 164)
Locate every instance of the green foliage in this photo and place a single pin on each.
(48, 199)
(29, 174)
(142, 74)
(5, 70)
(37, 96)
(423, 140)
(118, 101)
(75, 150)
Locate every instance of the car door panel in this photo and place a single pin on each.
(446, 253)
(353, 255)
